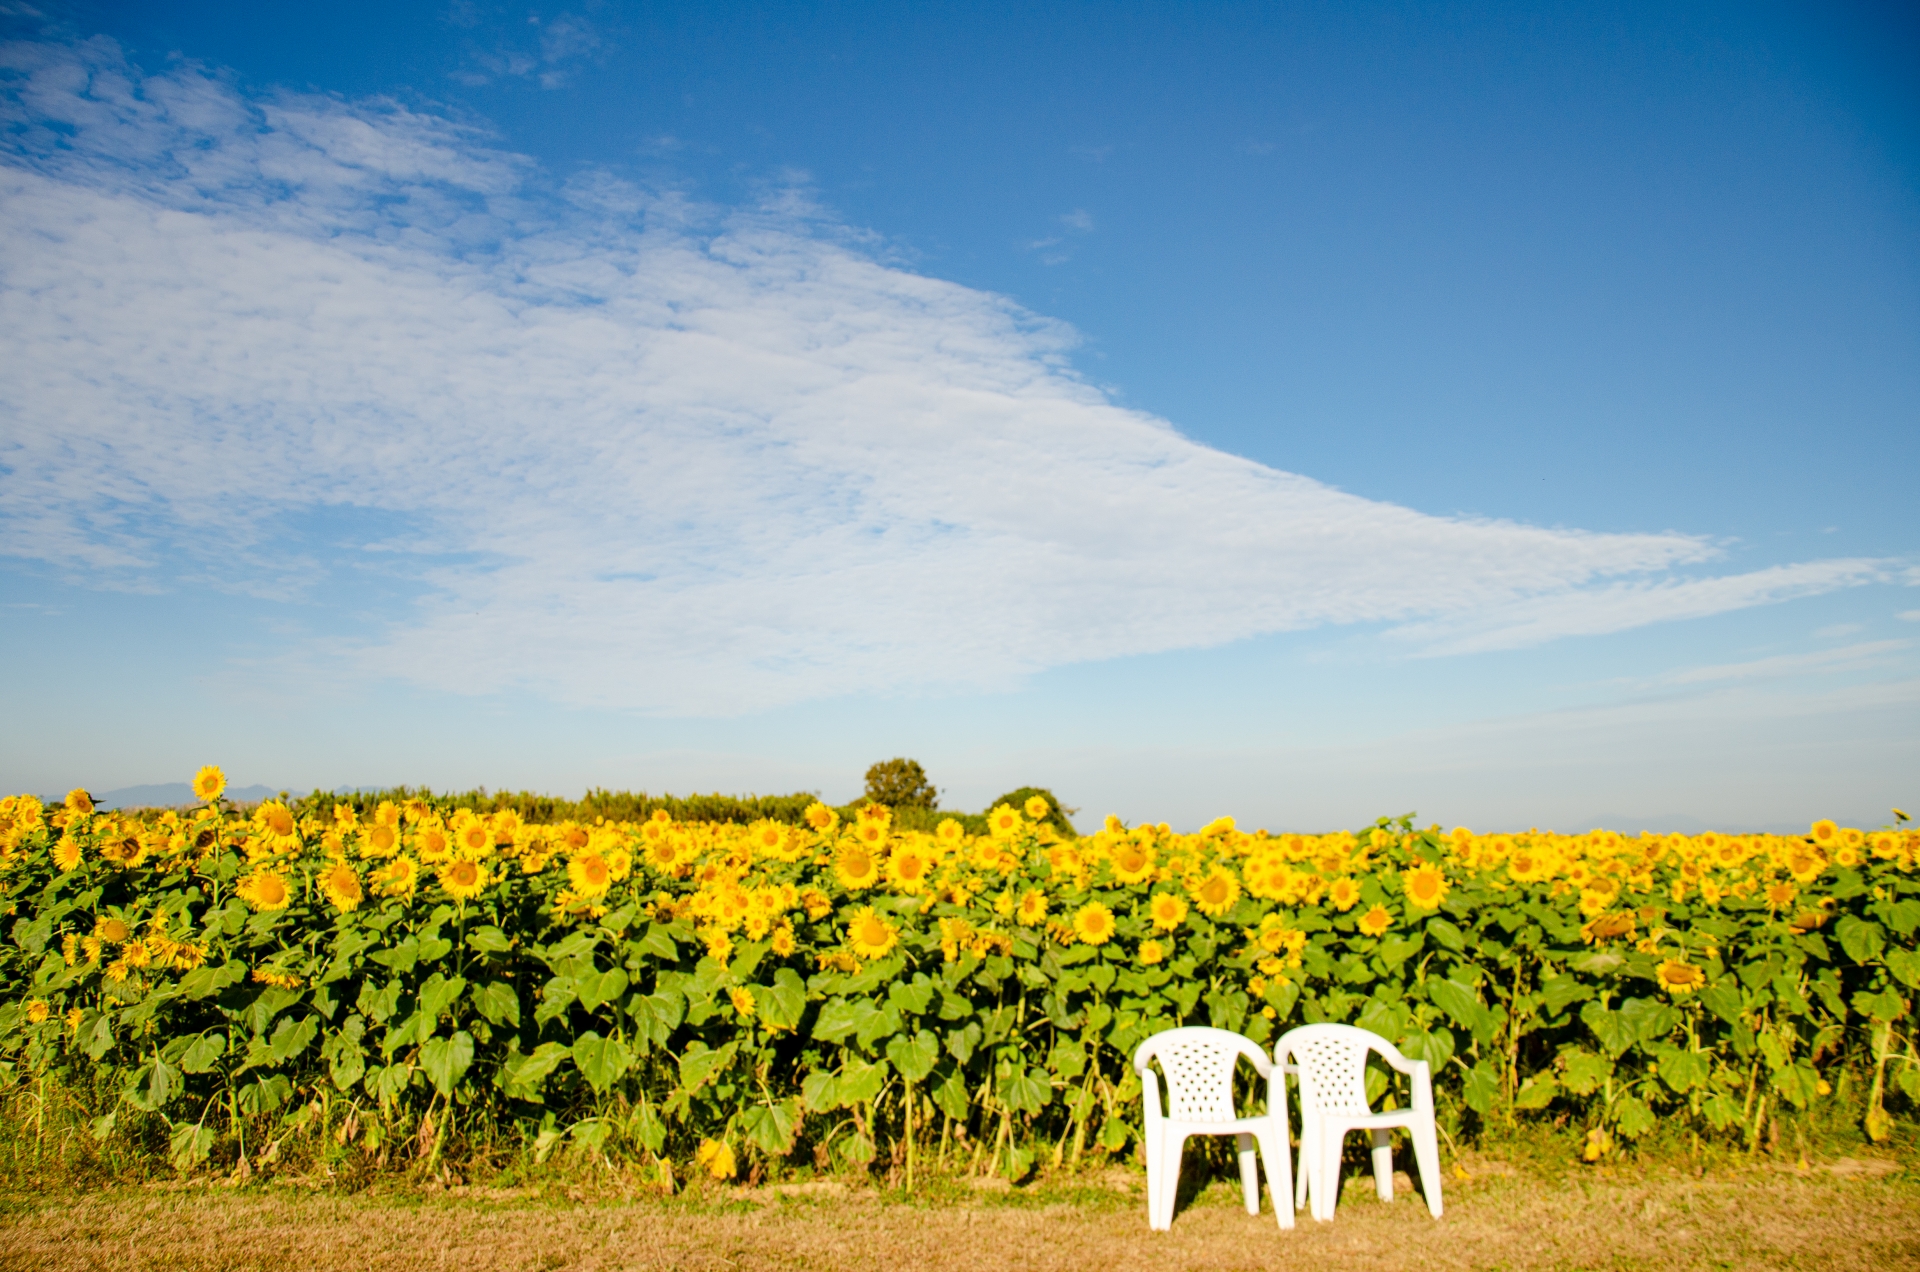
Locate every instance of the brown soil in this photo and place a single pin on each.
(1859, 1215)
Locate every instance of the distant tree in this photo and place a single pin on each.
(901, 783)
(1058, 815)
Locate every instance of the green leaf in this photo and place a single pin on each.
(656, 944)
(1585, 1072)
(1562, 992)
(445, 1059)
(207, 980)
(438, 993)
(264, 1095)
(1721, 1111)
(782, 1003)
(1902, 916)
(1633, 1117)
(821, 1091)
(914, 1057)
(1025, 1090)
(204, 1052)
(1648, 1018)
(697, 1064)
(1684, 1070)
(1883, 1006)
(1461, 1003)
(489, 940)
(96, 1036)
(154, 1083)
(1282, 995)
(770, 1128)
(835, 1021)
(1724, 1001)
(1447, 934)
(1536, 1092)
(291, 1037)
(595, 990)
(657, 1015)
(1861, 939)
(860, 1082)
(1610, 1027)
(604, 1061)
(499, 1003)
(522, 1076)
(189, 1146)
(912, 997)
(952, 1096)
(1905, 965)
(401, 958)
(1481, 1088)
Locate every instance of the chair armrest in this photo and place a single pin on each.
(1150, 1095)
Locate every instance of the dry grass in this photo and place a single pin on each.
(1858, 1215)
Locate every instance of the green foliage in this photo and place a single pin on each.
(901, 783)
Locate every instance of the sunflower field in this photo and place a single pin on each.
(844, 994)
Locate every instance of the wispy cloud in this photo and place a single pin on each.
(1850, 658)
(1078, 219)
(632, 451)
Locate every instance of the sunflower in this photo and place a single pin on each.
(1152, 952)
(783, 942)
(1825, 833)
(856, 866)
(1425, 886)
(1679, 978)
(112, 930)
(1780, 895)
(820, 817)
(137, 953)
(1003, 822)
(265, 891)
(209, 783)
(1343, 894)
(907, 868)
(663, 854)
(742, 1002)
(37, 1011)
(66, 854)
(464, 879)
(590, 875)
(432, 842)
(276, 825)
(870, 935)
(1032, 908)
(380, 840)
(473, 839)
(1037, 808)
(1376, 921)
(1216, 893)
(769, 838)
(1132, 861)
(340, 885)
(619, 862)
(79, 803)
(870, 834)
(950, 831)
(1168, 910)
(398, 877)
(1093, 923)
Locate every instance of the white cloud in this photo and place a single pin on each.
(1078, 219)
(1849, 658)
(642, 453)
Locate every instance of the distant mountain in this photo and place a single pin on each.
(170, 795)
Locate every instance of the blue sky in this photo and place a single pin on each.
(1304, 412)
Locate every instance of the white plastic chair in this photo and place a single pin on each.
(1199, 1064)
(1332, 1063)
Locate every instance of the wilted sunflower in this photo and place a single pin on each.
(869, 935)
(1093, 923)
(209, 784)
(37, 1011)
(717, 1157)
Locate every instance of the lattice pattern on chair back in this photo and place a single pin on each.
(1199, 1079)
(1333, 1071)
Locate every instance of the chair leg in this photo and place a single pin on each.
(1169, 1178)
(1249, 1172)
(1326, 1181)
(1426, 1151)
(1383, 1163)
(1150, 1147)
(1274, 1148)
(1306, 1163)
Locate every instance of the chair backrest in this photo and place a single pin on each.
(1332, 1060)
(1199, 1062)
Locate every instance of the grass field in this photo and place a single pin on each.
(1841, 1214)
